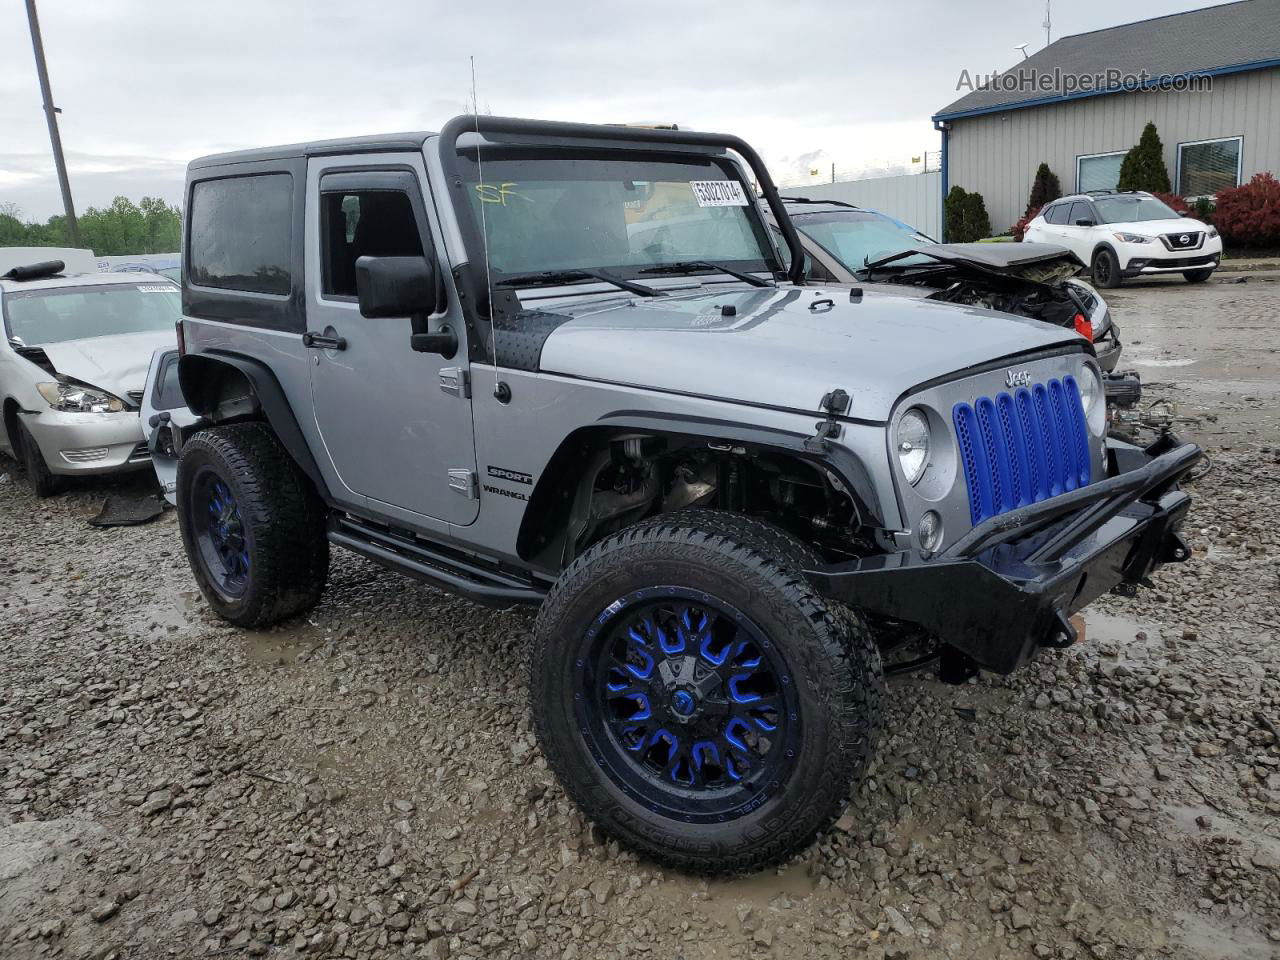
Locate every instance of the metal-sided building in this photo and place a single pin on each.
(1209, 79)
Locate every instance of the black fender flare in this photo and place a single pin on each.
(841, 462)
(199, 376)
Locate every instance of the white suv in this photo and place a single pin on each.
(1125, 234)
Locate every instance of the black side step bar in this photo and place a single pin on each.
(414, 558)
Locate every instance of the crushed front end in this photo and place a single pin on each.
(1022, 514)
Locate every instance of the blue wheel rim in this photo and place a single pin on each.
(686, 705)
(220, 533)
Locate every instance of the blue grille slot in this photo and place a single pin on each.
(1022, 448)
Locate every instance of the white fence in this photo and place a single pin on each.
(914, 198)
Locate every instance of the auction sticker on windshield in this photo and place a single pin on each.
(719, 193)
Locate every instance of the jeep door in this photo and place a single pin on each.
(396, 424)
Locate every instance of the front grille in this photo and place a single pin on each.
(84, 454)
(1189, 240)
(1022, 448)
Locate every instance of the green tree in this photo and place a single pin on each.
(965, 216)
(13, 232)
(1045, 188)
(1143, 166)
(122, 229)
(953, 215)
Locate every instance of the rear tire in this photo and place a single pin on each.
(1197, 276)
(252, 525)
(761, 745)
(42, 481)
(1106, 269)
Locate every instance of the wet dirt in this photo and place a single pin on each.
(364, 783)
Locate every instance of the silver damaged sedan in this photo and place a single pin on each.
(73, 362)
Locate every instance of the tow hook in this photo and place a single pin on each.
(1175, 549)
(1063, 634)
(835, 403)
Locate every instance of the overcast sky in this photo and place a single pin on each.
(144, 86)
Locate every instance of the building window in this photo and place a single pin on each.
(1207, 166)
(1099, 171)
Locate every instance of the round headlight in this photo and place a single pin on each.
(1092, 398)
(911, 441)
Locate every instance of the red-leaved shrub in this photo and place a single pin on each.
(1175, 202)
(1020, 227)
(1249, 215)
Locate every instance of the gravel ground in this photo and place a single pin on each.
(364, 782)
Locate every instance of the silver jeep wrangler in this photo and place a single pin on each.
(562, 365)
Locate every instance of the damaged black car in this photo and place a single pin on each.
(853, 247)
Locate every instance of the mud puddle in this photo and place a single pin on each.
(1210, 939)
(282, 645)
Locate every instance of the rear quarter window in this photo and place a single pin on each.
(241, 233)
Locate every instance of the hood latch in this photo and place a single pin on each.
(835, 403)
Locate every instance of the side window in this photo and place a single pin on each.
(370, 223)
(1057, 213)
(167, 394)
(241, 233)
(1080, 211)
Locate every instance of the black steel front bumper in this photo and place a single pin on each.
(1010, 585)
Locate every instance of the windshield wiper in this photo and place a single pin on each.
(549, 277)
(689, 266)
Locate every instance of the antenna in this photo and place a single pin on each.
(500, 389)
(1023, 48)
(1048, 23)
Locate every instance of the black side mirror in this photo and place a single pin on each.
(400, 286)
(1085, 222)
(395, 286)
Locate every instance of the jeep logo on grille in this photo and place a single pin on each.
(1017, 378)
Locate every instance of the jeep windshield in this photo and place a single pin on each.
(629, 218)
(59, 314)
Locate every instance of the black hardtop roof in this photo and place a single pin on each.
(508, 126)
(375, 143)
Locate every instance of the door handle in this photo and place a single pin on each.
(319, 341)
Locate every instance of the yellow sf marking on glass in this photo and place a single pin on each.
(498, 193)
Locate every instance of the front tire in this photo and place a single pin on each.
(697, 698)
(1196, 276)
(1106, 269)
(43, 482)
(252, 525)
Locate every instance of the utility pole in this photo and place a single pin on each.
(833, 173)
(1048, 24)
(51, 114)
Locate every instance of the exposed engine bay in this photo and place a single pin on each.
(1029, 280)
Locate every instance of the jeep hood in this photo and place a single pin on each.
(786, 346)
(116, 364)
